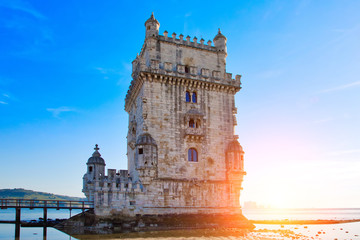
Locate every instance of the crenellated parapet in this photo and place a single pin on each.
(114, 181)
(219, 42)
(96, 181)
(188, 42)
(187, 71)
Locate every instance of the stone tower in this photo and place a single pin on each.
(183, 156)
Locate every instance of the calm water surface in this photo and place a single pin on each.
(262, 231)
(302, 214)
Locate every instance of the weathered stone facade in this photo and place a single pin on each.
(183, 156)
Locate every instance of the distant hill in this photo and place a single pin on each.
(29, 194)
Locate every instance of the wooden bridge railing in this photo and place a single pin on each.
(35, 203)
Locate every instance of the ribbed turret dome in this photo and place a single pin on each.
(96, 157)
(234, 146)
(152, 19)
(145, 139)
(219, 35)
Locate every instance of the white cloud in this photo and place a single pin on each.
(127, 66)
(339, 153)
(188, 14)
(6, 95)
(338, 88)
(2, 102)
(22, 6)
(269, 74)
(323, 120)
(29, 23)
(102, 70)
(121, 74)
(302, 5)
(57, 111)
(109, 71)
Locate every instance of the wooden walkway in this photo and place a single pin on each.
(18, 204)
(35, 203)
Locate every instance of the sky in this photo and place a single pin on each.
(65, 68)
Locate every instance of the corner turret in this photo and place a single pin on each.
(96, 165)
(235, 160)
(146, 158)
(152, 27)
(220, 42)
(94, 174)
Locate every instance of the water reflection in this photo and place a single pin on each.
(173, 234)
(17, 232)
(262, 231)
(14, 231)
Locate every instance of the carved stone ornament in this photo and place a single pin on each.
(132, 145)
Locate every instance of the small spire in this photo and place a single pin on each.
(219, 31)
(96, 147)
(152, 15)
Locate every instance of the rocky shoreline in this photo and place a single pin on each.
(88, 223)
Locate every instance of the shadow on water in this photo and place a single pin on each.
(167, 234)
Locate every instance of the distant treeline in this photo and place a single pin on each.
(20, 193)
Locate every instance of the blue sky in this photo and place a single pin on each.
(65, 69)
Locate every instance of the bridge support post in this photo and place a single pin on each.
(17, 231)
(44, 233)
(45, 216)
(17, 215)
(17, 222)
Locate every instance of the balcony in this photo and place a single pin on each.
(194, 134)
(194, 131)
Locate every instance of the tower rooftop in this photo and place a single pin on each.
(96, 157)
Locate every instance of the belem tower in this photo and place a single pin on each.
(183, 156)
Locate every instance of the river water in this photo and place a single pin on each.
(262, 231)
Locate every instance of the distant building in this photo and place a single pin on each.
(183, 156)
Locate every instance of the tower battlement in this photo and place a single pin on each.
(187, 41)
(181, 61)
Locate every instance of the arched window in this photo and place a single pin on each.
(194, 98)
(198, 123)
(187, 69)
(191, 123)
(187, 96)
(192, 155)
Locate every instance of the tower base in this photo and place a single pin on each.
(89, 223)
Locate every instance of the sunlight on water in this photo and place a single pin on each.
(323, 232)
(262, 231)
(302, 214)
